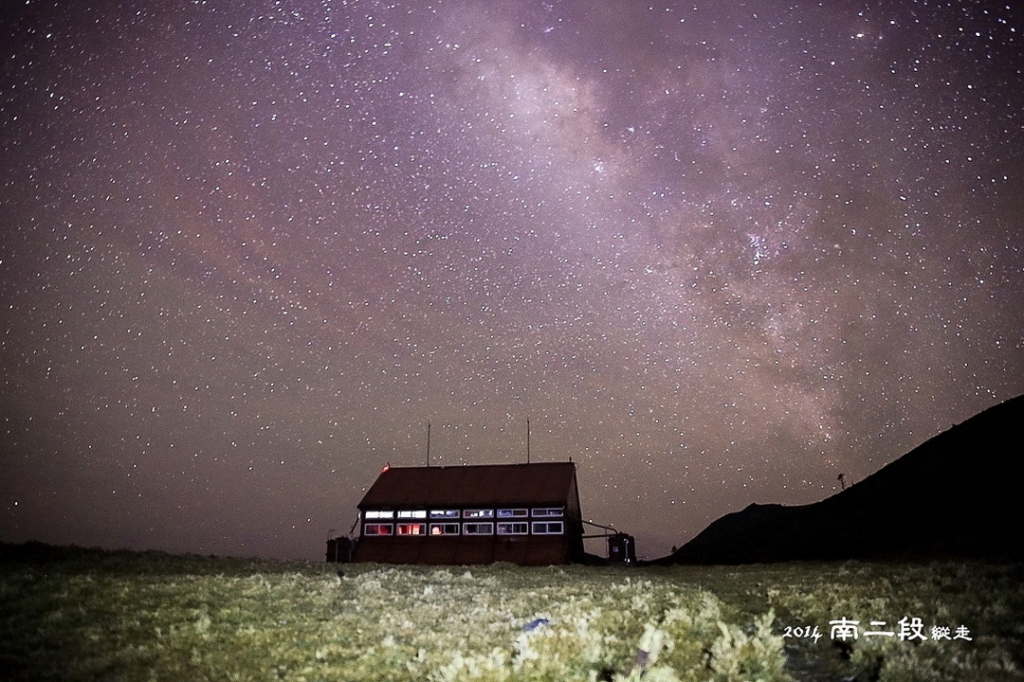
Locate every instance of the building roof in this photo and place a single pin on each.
(505, 485)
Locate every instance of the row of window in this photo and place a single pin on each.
(478, 528)
(522, 512)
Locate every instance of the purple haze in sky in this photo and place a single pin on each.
(717, 253)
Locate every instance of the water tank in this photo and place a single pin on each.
(621, 550)
(339, 550)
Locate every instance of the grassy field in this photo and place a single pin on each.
(73, 614)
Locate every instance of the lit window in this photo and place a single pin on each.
(444, 513)
(378, 514)
(548, 528)
(444, 529)
(412, 529)
(551, 512)
(412, 514)
(377, 529)
(478, 529)
(513, 528)
(478, 514)
(512, 513)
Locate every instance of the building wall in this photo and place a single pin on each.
(522, 550)
(530, 548)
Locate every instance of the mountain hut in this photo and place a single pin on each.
(527, 514)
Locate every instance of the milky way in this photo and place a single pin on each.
(716, 253)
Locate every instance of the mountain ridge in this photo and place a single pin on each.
(951, 496)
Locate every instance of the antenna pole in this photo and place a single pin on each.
(428, 443)
(527, 440)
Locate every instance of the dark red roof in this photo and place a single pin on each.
(507, 485)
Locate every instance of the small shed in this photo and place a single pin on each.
(528, 514)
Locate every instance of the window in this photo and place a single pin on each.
(377, 529)
(444, 513)
(412, 529)
(412, 514)
(512, 513)
(378, 514)
(513, 528)
(444, 529)
(551, 512)
(548, 528)
(478, 514)
(478, 529)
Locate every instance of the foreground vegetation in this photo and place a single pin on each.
(82, 615)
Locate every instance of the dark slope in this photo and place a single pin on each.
(954, 496)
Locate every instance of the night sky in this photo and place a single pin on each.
(716, 252)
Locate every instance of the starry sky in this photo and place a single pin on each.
(716, 253)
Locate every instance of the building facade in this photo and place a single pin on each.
(528, 514)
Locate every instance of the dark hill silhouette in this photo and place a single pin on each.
(953, 496)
